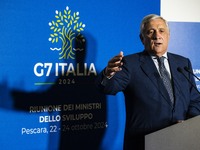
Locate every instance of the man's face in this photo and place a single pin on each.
(156, 37)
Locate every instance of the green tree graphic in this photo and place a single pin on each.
(64, 28)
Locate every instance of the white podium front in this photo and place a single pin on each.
(181, 136)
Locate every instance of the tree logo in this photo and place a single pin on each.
(65, 28)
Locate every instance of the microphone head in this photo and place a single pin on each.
(179, 69)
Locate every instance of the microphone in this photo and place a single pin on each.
(181, 71)
(188, 70)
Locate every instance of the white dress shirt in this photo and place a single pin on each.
(166, 63)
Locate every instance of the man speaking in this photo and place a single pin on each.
(158, 90)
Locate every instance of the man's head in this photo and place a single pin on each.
(154, 34)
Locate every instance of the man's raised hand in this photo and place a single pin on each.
(114, 65)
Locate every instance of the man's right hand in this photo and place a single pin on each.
(114, 65)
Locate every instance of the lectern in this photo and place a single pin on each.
(181, 136)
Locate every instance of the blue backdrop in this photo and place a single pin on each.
(31, 73)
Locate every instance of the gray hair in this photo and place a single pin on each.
(147, 19)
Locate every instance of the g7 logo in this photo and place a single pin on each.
(65, 28)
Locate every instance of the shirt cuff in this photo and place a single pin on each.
(105, 78)
(108, 77)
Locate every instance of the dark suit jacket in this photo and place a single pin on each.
(148, 107)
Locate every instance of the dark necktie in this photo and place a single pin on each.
(165, 78)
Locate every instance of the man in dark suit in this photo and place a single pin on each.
(150, 104)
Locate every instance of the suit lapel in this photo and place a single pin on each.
(151, 71)
(175, 76)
